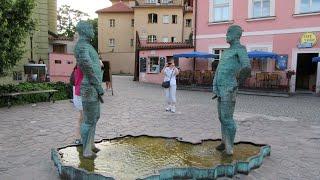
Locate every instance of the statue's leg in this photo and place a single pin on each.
(221, 147)
(85, 131)
(87, 127)
(228, 124)
(93, 132)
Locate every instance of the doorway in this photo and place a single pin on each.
(306, 72)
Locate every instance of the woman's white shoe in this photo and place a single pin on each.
(173, 109)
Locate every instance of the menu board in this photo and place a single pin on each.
(162, 62)
(281, 62)
(143, 64)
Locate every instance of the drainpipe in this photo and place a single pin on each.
(195, 24)
(183, 21)
(31, 47)
(136, 64)
(195, 33)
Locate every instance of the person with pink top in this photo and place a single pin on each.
(77, 101)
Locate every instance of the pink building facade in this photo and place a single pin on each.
(61, 58)
(269, 25)
(61, 67)
(154, 56)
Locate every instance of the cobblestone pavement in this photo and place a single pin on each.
(290, 125)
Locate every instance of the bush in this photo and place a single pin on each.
(64, 92)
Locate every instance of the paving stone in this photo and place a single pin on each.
(290, 125)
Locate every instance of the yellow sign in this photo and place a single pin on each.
(308, 38)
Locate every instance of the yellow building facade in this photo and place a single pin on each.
(152, 21)
(45, 17)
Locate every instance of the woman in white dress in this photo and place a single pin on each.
(170, 72)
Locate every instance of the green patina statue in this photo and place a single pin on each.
(234, 65)
(91, 90)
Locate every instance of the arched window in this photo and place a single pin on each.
(152, 18)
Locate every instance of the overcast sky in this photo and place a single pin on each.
(87, 6)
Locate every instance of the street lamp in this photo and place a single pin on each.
(31, 45)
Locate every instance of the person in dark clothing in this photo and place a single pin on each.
(106, 75)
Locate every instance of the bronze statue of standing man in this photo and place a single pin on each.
(233, 66)
(91, 90)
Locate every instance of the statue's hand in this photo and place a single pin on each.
(214, 92)
(244, 74)
(99, 90)
(214, 96)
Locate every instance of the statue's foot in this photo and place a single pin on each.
(221, 147)
(229, 152)
(89, 155)
(226, 154)
(95, 149)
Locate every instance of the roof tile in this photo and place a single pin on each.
(116, 8)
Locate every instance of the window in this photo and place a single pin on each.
(165, 39)
(166, 1)
(59, 48)
(17, 75)
(188, 22)
(152, 38)
(132, 22)
(112, 22)
(306, 6)
(261, 8)
(154, 65)
(217, 52)
(174, 19)
(111, 42)
(152, 18)
(173, 39)
(151, 1)
(220, 10)
(215, 62)
(131, 42)
(166, 19)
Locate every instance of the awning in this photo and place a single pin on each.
(195, 54)
(262, 55)
(316, 59)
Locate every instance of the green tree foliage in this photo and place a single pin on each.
(67, 20)
(94, 41)
(15, 25)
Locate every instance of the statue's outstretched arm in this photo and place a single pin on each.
(244, 58)
(245, 64)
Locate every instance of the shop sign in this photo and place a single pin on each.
(307, 40)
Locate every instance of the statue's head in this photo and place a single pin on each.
(85, 29)
(234, 33)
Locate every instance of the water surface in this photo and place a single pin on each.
(137, 157)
